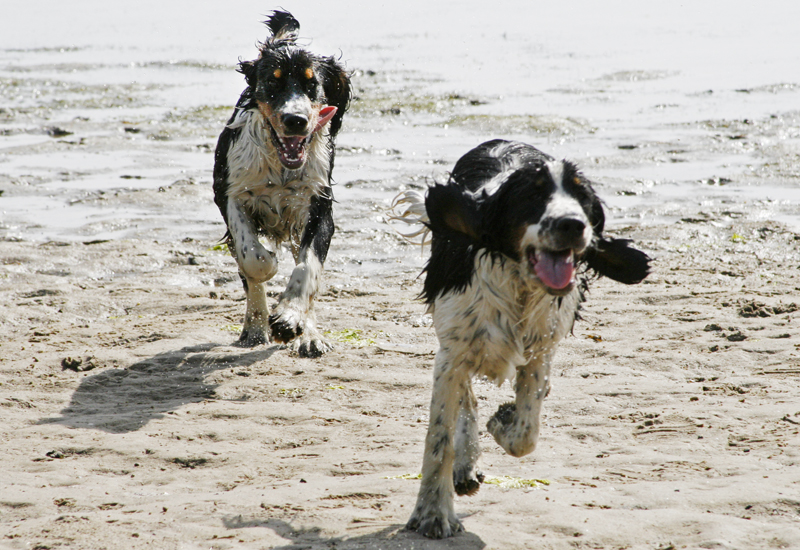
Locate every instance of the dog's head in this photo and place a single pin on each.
(537, 211)
(298, 93)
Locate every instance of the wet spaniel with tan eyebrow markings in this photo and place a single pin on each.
(272, 181)
(514, 233)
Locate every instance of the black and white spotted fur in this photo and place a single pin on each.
(272, 181)
(513, 234)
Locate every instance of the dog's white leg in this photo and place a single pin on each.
(294, 317)
(254, 331)
(515, 426)
(256, 266)
(434, 515)
(467, 478)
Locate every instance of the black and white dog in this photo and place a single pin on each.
(272, 179)
(513, 233)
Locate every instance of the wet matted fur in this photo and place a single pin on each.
(516, 235)
(272, 181)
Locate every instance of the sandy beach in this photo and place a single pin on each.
(130, 419)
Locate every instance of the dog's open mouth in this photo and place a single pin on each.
(292, 150)
(555, 269)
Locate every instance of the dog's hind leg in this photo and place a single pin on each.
(434, 515)
(515, 426)
(467, 478)
(256, 266)
(294, 317)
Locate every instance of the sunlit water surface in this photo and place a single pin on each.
(110, 112)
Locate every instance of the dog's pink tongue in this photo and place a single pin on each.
(325, 114)
(555, 269)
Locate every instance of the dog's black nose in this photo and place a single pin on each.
(295, 124)
(570, 228)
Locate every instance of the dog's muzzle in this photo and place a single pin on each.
(295, 133)
(553, 259)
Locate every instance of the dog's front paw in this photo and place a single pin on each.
(434, 524)
(257, 263)
(286, 325)
(502, 419)
(312, 345)
(252, 337)
(501, 425)
(517, 436)
(467, 481)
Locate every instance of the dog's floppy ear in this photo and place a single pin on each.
(451, 210)
(615, 259)
(283, 26)
(597, 216)
(336, 84)
(248, 69)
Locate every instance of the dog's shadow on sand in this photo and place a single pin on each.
(392, 537)
(124, 400)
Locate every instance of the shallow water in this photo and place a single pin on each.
(110, 116)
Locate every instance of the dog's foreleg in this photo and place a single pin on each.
(467, 478)
(515, 426)
(294, 317)
(256, 266)
(434, 515)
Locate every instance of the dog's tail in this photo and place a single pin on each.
(409, 208)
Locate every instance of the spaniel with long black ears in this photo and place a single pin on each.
(514, 236)
(272, 181)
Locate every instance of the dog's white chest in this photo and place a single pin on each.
(282, 210)
(278, 198)
(494, 326)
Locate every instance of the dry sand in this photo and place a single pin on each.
(672, 423)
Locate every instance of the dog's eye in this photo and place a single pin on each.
(540, 178)
(277, 74)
